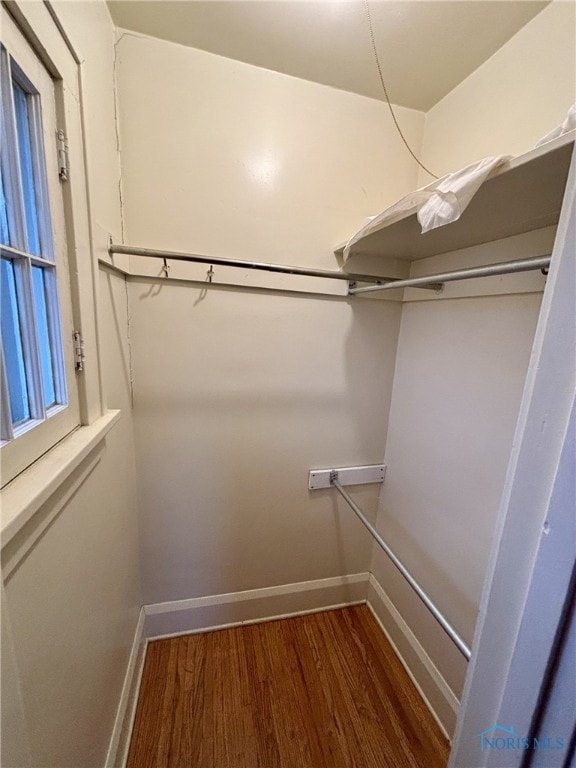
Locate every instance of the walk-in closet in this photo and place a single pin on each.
(287, 385)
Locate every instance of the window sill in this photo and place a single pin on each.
(24, 496)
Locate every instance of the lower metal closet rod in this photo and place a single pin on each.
(505, 268)
(440, 618)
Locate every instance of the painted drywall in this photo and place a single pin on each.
(223, 158)
(73, 601)
(459, 377)
(15, 744)
(516, 97)
(72, 604)
(238, 393)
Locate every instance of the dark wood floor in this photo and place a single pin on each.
(318, 691)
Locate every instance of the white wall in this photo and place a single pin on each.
(237, 396)
(73, 604)
(224, 158)
(512, 100)
(74, 600)
(458, 381)
(460, 368)
(239, 393)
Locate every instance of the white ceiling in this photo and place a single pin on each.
(426, 47)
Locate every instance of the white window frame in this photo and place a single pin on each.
(24, 443)
(50, 51)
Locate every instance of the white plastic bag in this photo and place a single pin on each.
(569, 124)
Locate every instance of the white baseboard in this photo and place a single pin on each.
(120, 740)
(201, 614)
(435, 691)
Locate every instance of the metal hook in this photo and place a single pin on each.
(210, 273)
(166, 268)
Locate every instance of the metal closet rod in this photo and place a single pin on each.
(259, 265)
(505, 268)
(438, 615)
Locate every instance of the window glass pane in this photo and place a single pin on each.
(38, 275)
(25, 149)
(12, 345)
(4, 231)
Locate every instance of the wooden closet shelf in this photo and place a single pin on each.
(525, 195)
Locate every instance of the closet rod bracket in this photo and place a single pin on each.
(362, 475)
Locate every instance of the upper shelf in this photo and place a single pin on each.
(524, 195)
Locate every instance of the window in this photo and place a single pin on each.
(37, 388)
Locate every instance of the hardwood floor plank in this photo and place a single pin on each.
(318, 691)
(189, 705)
(262, 699)
(293, 717)
(149, 726)
(332, 717)
(367, 711)
(407, 702)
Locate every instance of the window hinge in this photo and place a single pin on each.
(63, 166)
(78, 351)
